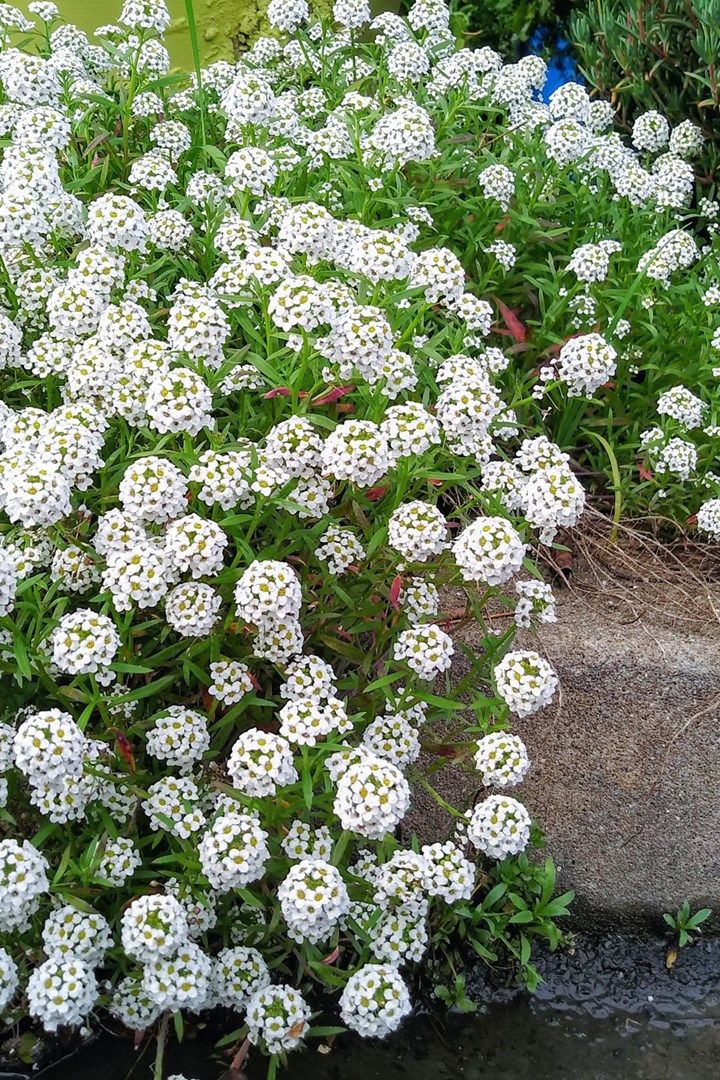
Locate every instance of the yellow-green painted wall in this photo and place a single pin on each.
(223, 25)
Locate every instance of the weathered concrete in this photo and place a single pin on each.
(626, 762)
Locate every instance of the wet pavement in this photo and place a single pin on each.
(608, 1010)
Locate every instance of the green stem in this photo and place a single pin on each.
(437, 797)
(160, 1052)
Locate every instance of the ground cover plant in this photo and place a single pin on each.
(263, 394)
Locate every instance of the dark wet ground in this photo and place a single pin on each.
(609, 1011)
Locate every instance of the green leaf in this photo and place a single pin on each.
(522, 917)
(559, 906)
(525, 950)
(179, 1025)
(495, 894)
(307, 787)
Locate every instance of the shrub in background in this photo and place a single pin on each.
(508, 26)
(656, 54)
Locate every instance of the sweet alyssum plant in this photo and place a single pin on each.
(262, 397)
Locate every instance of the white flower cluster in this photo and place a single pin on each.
(374, 1001)
(536, 601)
(426, 649)
(84, 642)
(586, 363)
(489, 550)
(255, 416)
(277, 1016)
(682, 405)
(238, 974)
(23, 881)
(499, 826)
(525, 682)
(179, 736)
(372, 795)
(231, 681)
(313, 899)
(501, 759)
(339, 548)
(261, 762)
(233, 851)
(61, 992)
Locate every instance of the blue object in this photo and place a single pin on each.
(561, 62)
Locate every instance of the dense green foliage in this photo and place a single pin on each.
(656, 54)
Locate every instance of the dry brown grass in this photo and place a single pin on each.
(642, 576)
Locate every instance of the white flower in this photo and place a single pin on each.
(120, 859)
(260, 762)
(372, 795)
(553, 499)
(179, 736)
(153, 926)
(678, 457)
(708, 518)
(84, 642)
(61, 992)
(426, 649)
(393, 737)
(525, 682)
(278, 1016)
(48, 747)
(502, 759)
(76, 935)
(180, 981)
(497, 182)
(173, 804)
(23, 880)
(313, 899)
(233, 851)
(132, 1006)
(419, 600)
(339, 548)
(356, 450)
(238, 973)
(268, 592)
(409, 429)
(536, 601)
(8, 582)
(586, 363)
(650, 131)
(153, 489)
(374, 1001)
(308, 678)
(489, 550)
(417, 530)
(136, 575)
(448, 873)
(304, 721)
(287, 14)
(682, 405)
(499, 826)
(8, 979)
(192, 609)
(302, 842)
(179, 400)
(231, 681)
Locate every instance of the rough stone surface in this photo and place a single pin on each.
(626, 761)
